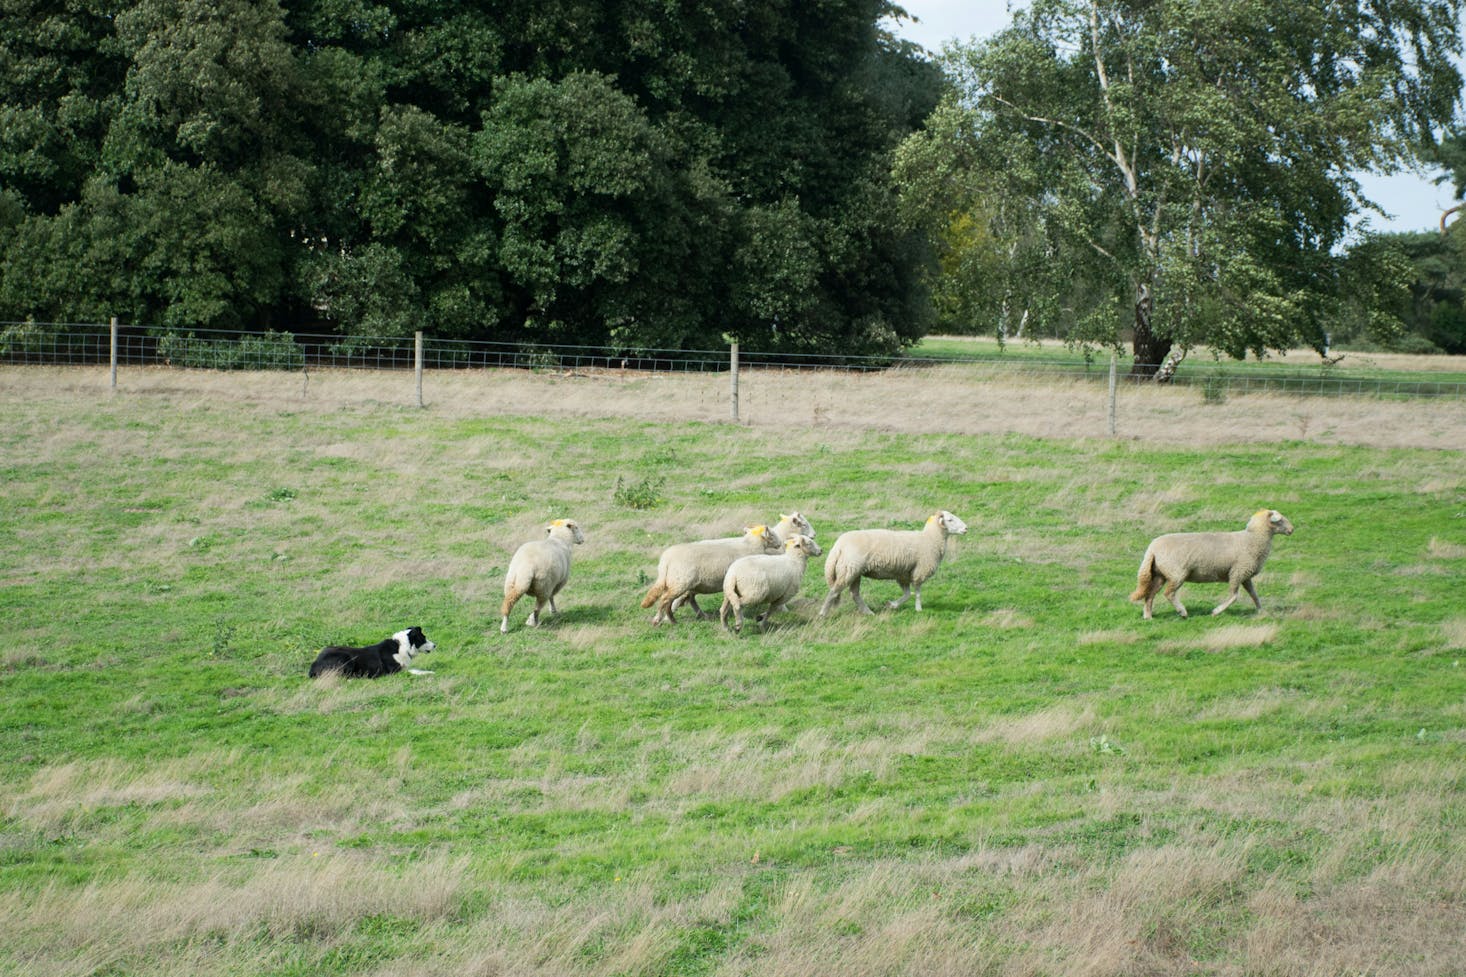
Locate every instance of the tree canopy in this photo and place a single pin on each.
(1193, 161)
(631, 172)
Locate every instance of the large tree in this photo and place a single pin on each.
(625, 172)
(1204, 151)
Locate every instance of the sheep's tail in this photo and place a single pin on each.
(1143, 579)
(655, 594)
(832, 564)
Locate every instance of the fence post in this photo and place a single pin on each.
(417, 357)
(114, 353)
(1114, 363)
(733, 373)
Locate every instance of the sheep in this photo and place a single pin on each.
(909, 557)
(788, 525)
(763, 579)
(1176, 558)
(540, 567)
(688, 569)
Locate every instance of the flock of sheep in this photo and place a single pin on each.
(765, 566)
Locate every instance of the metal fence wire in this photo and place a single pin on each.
(72, 344)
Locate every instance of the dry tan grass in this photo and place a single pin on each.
(1446, 550)
(1037, 727)
(116, 925)
(898, 401)
(1228, 637)
(1453, 632)
(1106, 637)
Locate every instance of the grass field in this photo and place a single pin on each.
(1024, 778)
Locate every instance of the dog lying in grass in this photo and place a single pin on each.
(383, 658)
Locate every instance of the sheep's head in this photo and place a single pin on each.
(950, 524)
(802, 543)
(799, 524)
(766, 536)
(570, 526)
(1269, 521)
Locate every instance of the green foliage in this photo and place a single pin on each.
(1430, 297)
(559, 172)
(1196, 154)
(645, 494)
(271, 351)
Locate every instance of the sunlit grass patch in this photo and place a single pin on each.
(1227, 637)
(1446, 550)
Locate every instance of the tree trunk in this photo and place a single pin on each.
(1150, 349)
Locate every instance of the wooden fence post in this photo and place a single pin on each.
(417, 349)
(733, 382)
(1114, 363)
(114, 352)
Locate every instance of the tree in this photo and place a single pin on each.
(546, 169)
(1202, 150)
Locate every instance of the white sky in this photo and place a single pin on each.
(1413, 202)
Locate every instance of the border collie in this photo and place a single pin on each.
(374, 661)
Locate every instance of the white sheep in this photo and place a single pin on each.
(540, 568)
(1176, 558)
(752, 581)
(909, 557)
(688, 569)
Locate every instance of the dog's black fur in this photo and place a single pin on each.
(373, 661)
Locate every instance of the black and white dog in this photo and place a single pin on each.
(374, 661)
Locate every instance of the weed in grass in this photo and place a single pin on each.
(645, 494)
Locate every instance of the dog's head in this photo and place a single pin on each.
(411, 642)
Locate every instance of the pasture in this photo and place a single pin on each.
(1023, 779)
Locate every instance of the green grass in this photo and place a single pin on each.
(1355, 372)
(1023, 778)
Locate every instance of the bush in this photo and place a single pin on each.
(270, 351)
(646, 494)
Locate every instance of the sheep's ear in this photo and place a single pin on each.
(1274, 516)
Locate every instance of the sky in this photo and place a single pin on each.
(1413, 202)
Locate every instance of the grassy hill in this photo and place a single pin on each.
(1024, 778)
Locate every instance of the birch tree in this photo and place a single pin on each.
(1206, 151)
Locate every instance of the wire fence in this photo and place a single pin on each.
(93, 344)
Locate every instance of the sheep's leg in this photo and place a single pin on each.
(730, 605)
(1232, 593)
(702, 615)
(859, 600)
(509, 603)
(539, 606)
(917, 590)
(1171, 588)
(905, 595)
(1252, 592)
(664, 609)
(832, 600)
(1152, 588)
